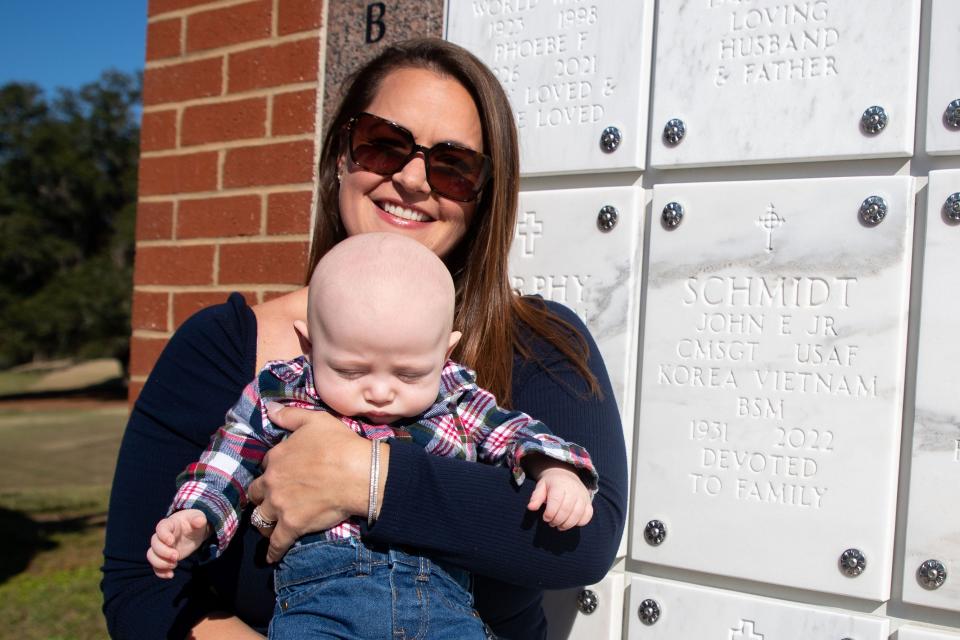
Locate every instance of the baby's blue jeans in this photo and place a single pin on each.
(347, 590)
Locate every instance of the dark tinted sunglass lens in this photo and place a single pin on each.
(456, 173)
(378, 145)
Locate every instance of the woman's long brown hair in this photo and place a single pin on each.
(487, 309)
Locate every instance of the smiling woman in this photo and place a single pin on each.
(443, 111)
(534, 356)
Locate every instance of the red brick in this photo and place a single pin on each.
(162, 6)
(163, 39)
(144, 353)
(294, 113)
(174, 265)
(150, 311)
(219, 217)
(188, 303)
(133, 392)
(271, 295)
(283, 163)
(224, 121)
(178, 174)
(289, 212)
(154, 220)
(184, 81)
(230, 25)
(158, 130)
(299, 15)
(274, 66)
(263, 262)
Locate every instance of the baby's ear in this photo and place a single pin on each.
(454, 339)
(303, 333)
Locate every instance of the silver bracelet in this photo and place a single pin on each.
(374, 481)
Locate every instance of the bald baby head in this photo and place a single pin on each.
(379, 323)
(383, 277)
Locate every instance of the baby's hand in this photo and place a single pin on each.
(567, 499)
(177, 536)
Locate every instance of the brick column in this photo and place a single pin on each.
(228, 159)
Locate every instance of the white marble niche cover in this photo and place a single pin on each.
(773, 81)
(690, 612)
(571, 69)
(565, 620)
(943, 81)
(560, 253)
(933, 517)
(772, 381)
(919, 633)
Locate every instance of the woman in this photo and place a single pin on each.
(535, 357)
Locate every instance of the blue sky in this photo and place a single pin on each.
(68, 43)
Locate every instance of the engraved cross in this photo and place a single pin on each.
(745, 631)
(769, 222)
(529, 229)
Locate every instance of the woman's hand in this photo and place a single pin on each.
(314, 479)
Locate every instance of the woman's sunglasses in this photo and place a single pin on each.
(384, 148)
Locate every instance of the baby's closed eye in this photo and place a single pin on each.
(412, 376)
(349, 374)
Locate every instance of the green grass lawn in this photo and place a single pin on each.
(54, 488)
(17, 381)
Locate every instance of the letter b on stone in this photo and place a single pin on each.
(375, 25)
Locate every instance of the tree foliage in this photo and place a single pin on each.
(68, 182)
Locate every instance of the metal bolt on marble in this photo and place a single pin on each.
(649, 611)
(873, 210)
(853, 562)
(874, 119)
(952, 114)
(607, 218)
(610, 139)
(951, 208)
(932, 574)
(588, 601)
(674, 131)
(654, 533)
(672, 214)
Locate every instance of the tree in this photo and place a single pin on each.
(68, 180)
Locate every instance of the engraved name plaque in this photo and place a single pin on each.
(561, 253)
(933, 521)
(691, 612)
(772, 381)
(572, 69)
(943, 89)
(773, 81)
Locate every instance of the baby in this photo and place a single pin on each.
(379, 330)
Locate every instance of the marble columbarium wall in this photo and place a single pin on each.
(755, 207)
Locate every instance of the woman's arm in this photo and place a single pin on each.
(199, 375)
(473, 517)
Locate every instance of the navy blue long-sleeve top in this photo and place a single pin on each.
(440, 505)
